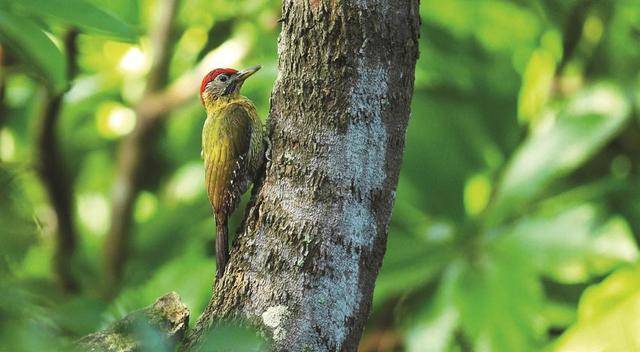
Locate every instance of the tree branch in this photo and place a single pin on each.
(53, 173)
(168, 316)
(135, 147)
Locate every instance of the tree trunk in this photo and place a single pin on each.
(306, 259)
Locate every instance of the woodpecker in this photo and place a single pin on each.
(233, 148)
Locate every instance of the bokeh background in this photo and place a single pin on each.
(517, 216)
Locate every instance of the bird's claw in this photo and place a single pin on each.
(268, 151)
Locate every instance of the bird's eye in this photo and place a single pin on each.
(222, 78)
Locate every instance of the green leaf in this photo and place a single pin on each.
(559, 145)
(493, 299)
(538, 77)
(500, 299)
(127, 10)
(573, 245)
(477, 193)
(34, 48)
(608, 316)
(536, 85)
(82, 14)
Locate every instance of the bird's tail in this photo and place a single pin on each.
(222, 247)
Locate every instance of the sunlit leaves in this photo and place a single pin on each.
(490, 297)
(561, 144)
(607, 316)
(492, 292)
(537, 82)
(477, 193)
(114, 120)
(93, 212)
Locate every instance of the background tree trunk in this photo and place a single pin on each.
(134, 152)
(306, 259)
(55, 176)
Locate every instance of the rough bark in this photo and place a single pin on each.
(136, 147)
(168, 315)
(306, 258)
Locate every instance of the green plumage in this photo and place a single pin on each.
(233, 152)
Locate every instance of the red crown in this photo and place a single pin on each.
(212, 75)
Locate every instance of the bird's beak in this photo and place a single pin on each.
(240, 76)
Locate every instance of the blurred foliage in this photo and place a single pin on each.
(227, 337)
(517, 215)
(519, 183)
(607, 315)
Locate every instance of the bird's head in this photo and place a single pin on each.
(223, 82)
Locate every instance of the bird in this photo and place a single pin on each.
(233, 148)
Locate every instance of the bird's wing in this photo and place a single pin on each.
(226, 158)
